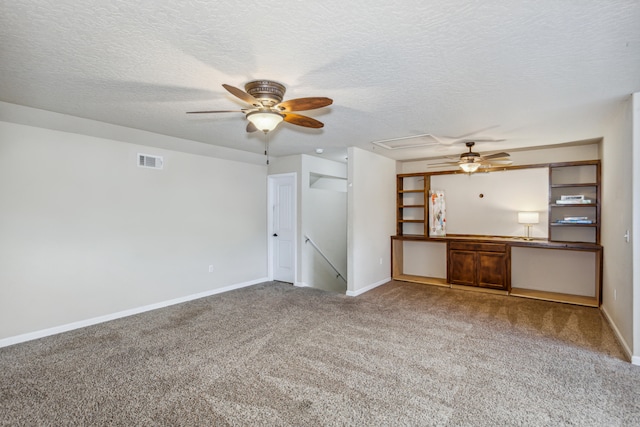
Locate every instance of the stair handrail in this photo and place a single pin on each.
(307, 239)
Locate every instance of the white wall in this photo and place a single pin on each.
(324, 220)
(371, 219)
(554, 270)
(488, 203)
(19, 114)
(86, 233)
(322, 215)
(617, 293)
(428, 259)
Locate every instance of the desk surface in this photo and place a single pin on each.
(512, 241)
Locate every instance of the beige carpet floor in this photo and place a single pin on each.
(275, 355)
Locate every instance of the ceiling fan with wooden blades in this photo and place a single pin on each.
(267, 108)
(471, 161)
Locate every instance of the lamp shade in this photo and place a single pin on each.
(528, 218)
(469, 167)
(265, 121)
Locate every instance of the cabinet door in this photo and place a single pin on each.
(492, 270)
(462, 267)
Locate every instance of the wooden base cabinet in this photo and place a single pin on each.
(568, 272)
(483, 265)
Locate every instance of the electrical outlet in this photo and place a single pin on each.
(211, 269)
(381, 261)
(615, 294)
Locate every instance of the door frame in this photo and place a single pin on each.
(270, 201)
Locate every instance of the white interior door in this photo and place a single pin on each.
(282, 195)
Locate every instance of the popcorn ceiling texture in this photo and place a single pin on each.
(535, 72)
(272, 354)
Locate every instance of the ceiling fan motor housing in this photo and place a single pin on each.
(268, 92)
(469, 157)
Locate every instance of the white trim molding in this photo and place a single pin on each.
(302, 285)
(625, 347)
(5, 342)
(368, 288)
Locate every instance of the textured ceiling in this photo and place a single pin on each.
(532, 72)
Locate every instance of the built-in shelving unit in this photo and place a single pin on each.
(485, 262)
(412, 210)
(577, 218)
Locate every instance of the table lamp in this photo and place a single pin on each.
(528, 219)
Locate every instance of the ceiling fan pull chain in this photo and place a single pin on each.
(266, 147)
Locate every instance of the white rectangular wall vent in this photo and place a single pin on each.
(149, 161)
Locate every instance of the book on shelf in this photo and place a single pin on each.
(572, 197)
(575, 218)
(574, 221)
(573, 202)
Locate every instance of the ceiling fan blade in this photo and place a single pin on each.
(251, 127)
(242, 95)
(301, 120)
(303, 104)
(502, 155)
(215, 111)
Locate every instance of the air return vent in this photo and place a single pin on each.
(149, 161)
(408, 142)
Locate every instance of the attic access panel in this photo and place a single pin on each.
(408, 142)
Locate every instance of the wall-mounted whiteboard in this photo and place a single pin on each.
(488, 203)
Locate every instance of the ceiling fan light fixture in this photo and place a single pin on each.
(469, 167)
(265, 121)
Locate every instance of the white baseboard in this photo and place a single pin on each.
(625, 347)
(302, 285)
(5, 342)
(368, 288)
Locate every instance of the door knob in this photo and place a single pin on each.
(275, 234)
